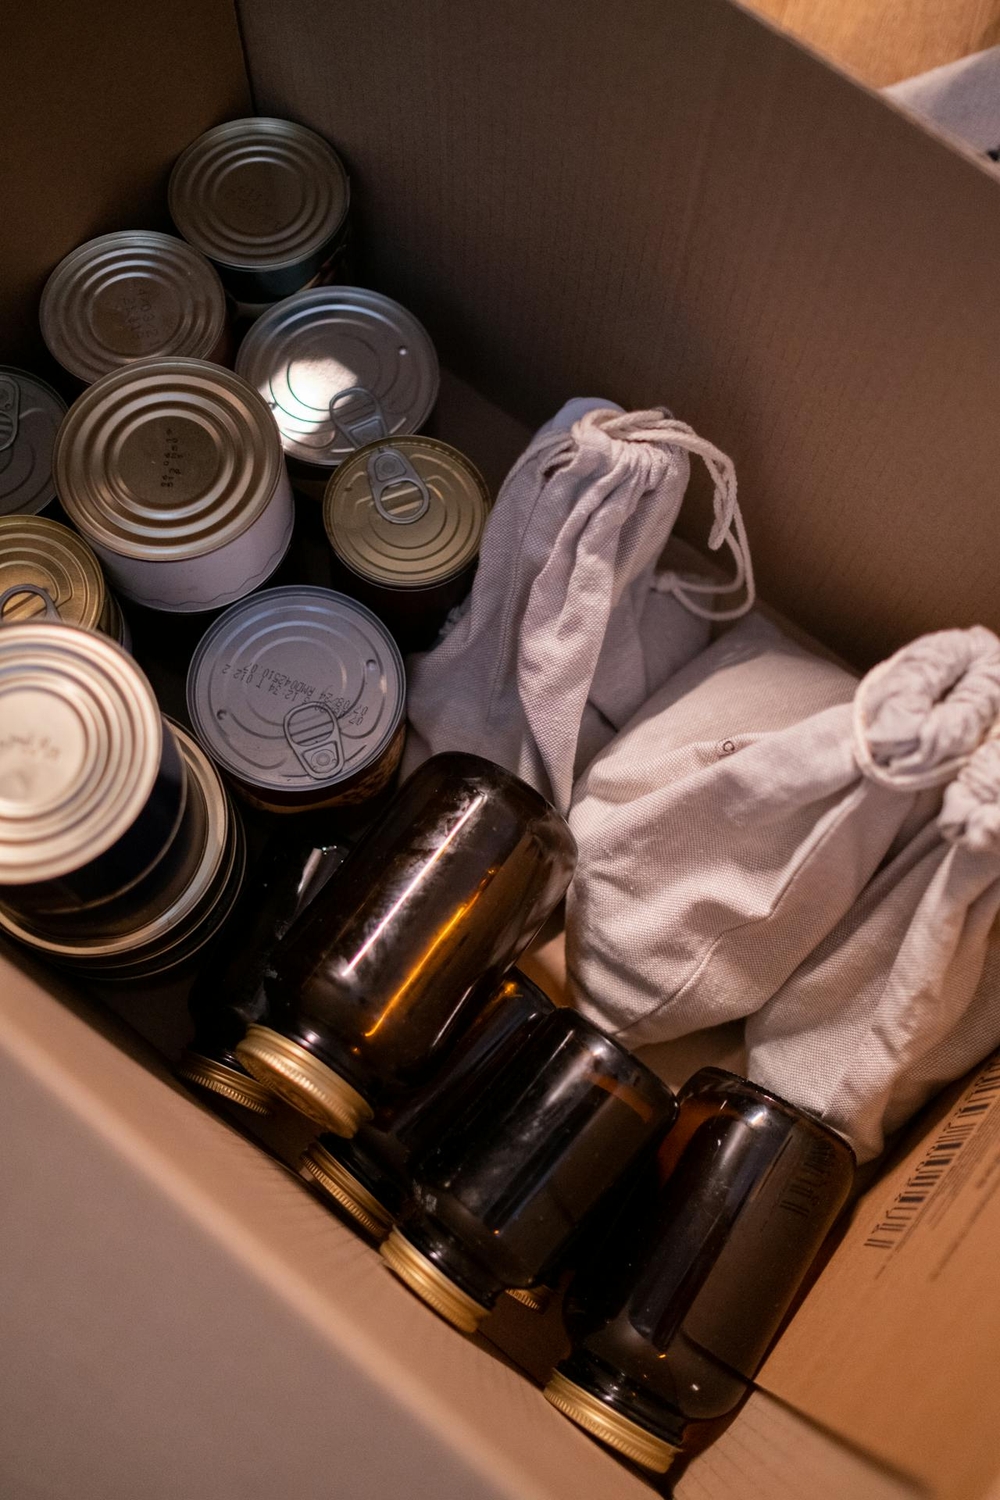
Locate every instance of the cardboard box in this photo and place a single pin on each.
(669, 202)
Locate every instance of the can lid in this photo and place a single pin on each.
(131, 295)
(259, 193)
(30, 414)
(340, 366)
(406, 514)
(296, 688)
(167, 458)
(36, 553)
(80, 744)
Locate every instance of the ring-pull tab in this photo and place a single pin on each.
(357, 416)
(392, 476)
(10, 411)
(313, 732)
(49, 611)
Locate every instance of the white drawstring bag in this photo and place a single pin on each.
(569, 627)
(725, 832)
(904, 994)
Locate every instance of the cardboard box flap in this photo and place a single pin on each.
(191, 1322)
(678, 205)
(895, 1346)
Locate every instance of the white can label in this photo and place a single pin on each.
(215, 579)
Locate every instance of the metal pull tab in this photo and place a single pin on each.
(357, 416)
(313, 732)
(49, 611)
(10, 411)
(390, 472)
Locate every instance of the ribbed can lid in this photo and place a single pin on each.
(168, 458)
(259, 193)
(131, 295)
(340, 366)
(295, 689)
(30, 414)
(80, 744)
(36, 553)
(406, 514)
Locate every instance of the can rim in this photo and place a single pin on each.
(255, 361)
(19, 375)
(120, 675)
(263, 127)
(79, 356)
(89, 424)
(65, 543)
(337, 484)
(203, 726)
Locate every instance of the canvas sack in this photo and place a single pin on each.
(570, 625)
(728, 829)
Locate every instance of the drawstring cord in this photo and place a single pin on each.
(728, 530)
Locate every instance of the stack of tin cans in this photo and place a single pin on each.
(229, 392)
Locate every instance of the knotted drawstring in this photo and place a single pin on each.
(971, 811)
(727, 529)
(919, 716)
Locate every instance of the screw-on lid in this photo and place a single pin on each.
(128, 296)
(295, 689)
(407, 513)
(80, 745)
(38, 554)
(259, 193)
(168, 458)
(340, 366)
(30, 414)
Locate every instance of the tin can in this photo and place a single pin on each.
(266, 201)
(339, 367)
(30, 414)
(299, 694)
(92, 785)
(405, 520)
(172, 469)
(43, 563)
(168, 917)
(132, 295)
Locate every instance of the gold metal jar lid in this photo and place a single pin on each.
(340, 366)
(303, 1081)
(30, 414)
(168, 458)
(131, 295)
(80, 744)
(406, 514)
(627, 1437)
(431, 1284)
(229, 1083)
(346, 1191)
(36, 553)
(259, 192)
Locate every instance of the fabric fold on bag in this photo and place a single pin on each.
(569, 626)
(903, 996)
(732, 824)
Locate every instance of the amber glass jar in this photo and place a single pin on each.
(516, 1176)
(400, 951)
(368, 1175)
(228, 995)
(672, 1317)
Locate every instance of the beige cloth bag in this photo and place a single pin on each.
(904, 994)
(726, 831)
(570, 626)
